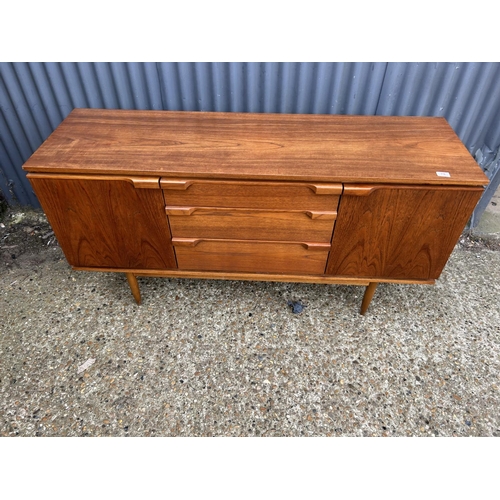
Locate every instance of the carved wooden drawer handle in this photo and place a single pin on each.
(319, 188)
(316, 246)
(185, 211)
(321, 215)
(180, 210)
(139, 182)
(192, 242)
(185, 242)
(176, 184)
(359, 189)
(367, 189)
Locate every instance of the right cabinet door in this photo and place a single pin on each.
(399, 232)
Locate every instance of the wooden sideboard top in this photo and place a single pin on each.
(330, 148)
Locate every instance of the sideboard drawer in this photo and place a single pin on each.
(245, 224)
(251, 256)
(250, 194)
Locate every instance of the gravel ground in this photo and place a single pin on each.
(225, 358)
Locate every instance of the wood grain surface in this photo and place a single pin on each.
(245, 194)
(107, 223)
(251, 256)
(328, 148)
(251, 224)
(397, 232)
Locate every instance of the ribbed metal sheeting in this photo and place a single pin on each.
(36, 97)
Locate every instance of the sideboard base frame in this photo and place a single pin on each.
(370, 284)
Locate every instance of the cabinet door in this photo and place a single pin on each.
(399, 232)
(107, 222)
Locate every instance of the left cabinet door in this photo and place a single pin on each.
(106, 222)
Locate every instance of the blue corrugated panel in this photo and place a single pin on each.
(36, 97)
(466, 94)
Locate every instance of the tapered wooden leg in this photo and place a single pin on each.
(134, 286)
(367, 297)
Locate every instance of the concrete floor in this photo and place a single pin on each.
(224, 358)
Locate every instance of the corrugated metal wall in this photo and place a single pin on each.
(36, 97)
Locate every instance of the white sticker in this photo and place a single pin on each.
(443, 174)
(86, 365)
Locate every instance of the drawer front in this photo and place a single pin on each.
(251, 256)
(244, 224)
(249, 194)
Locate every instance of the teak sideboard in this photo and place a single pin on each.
(307, 198)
